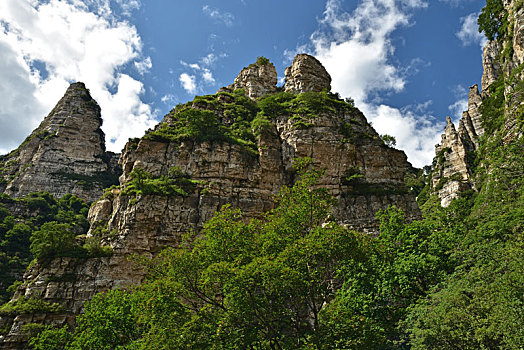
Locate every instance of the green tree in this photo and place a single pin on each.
(258, 284)
(53, 239)
(389, 140)
(492, 19)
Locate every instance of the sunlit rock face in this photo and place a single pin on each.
(258, 79)
(65, 154)
(454, 159)
(306, 73)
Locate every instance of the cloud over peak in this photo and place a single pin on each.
(53, 43)
(357, 50)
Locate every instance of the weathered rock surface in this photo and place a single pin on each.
(257, 79)
(490, 64)
(454, 155)
(65, 154)
(306, 73)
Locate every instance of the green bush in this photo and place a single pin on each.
(52, 240)
(30, 305)
(144, 183)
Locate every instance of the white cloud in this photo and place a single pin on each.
(415, 130)
(356, 48)
(52, 43)
(220, 16)
(454, 3)
(208, 76)
(357, 51)
(200, 75)
(169, 99)
(143, 66)
(468, 33)
(188, 82)
(129, 5)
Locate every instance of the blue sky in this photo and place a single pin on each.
(407, 63)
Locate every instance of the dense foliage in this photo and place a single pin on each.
(493, 19)
(43, 226)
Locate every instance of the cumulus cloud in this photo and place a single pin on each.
(358, 48)
(357, 51)
(469, 33)
(218, 15)
(46, 45)
(200, 74)
(415, 130)
(143, 66)
(188, 82)
(208, 76)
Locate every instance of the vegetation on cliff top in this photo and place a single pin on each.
(233, 117)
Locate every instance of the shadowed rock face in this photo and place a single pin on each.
(65, 154)
(306, 73)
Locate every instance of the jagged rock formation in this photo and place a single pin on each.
(306, 73)
(258, 79)
(65, 154)
(362, 172)
(502, 60)
(454, 155)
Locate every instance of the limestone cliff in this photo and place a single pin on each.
(226, 148)
(500, 102)
(65, 154)
(452, 166)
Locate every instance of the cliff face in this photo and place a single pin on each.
(221, 164)
(499, 102)
(65, 154)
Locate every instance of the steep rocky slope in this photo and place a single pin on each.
(235, 147)
(65, 154)
(498, 104)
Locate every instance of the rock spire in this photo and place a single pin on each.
(65, 154)
(306, 73)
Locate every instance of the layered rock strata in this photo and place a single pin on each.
(65, 154)
(362, 172)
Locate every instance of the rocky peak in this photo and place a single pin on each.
(306, 73)
(454, 156)
(65, 154)
(453, 161)
(257, 79)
